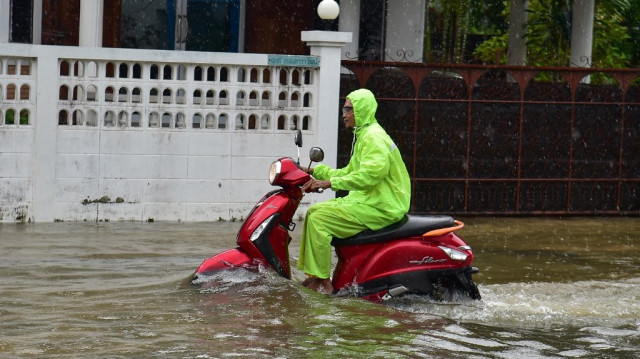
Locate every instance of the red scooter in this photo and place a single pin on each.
(417, 255)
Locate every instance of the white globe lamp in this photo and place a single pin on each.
(328, 11)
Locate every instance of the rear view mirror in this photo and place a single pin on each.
(316, 154)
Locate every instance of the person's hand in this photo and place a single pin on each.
(313, 185)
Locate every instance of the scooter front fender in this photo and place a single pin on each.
(231, 258)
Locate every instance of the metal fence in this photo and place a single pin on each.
(489, 140)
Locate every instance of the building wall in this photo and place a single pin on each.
(117, 134)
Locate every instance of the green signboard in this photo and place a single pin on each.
(294, 60)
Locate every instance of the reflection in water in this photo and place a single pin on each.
(551, 288)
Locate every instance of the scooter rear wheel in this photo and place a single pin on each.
(455, 287)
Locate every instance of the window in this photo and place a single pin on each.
(372, 30)
(21, 22)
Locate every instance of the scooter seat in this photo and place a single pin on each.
(407, 227)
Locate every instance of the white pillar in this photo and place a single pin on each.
(582, 32)
(5, 20)
(37, 22)
(327, 45)
(91, 13)
(44, 132)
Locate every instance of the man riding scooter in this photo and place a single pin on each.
(378, 184)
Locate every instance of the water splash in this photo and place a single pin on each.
(543, 304)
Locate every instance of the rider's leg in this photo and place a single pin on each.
(324, 221)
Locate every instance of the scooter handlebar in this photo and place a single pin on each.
(319, 190)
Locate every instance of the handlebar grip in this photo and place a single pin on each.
(319, 190)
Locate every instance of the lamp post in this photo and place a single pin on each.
(328, 11)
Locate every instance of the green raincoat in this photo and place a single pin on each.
(378, 184)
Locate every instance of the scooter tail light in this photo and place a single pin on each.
(454, 254)
(258, 231)
(274, 171)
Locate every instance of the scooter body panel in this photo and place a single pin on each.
(412, 263)
(404, 255)
(350, 259)
(268, 223)
(231, 258)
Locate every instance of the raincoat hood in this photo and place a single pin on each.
(364, 107)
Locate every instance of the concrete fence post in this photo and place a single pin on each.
(45, 137)
(5, 21)
(91, 20)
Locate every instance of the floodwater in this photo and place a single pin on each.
(552, 288)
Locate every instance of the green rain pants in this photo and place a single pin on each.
(324, 221)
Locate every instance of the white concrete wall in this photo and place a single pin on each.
(70, 154)
(17, 94)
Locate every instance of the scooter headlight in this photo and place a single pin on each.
(274, 171)
(454, 254)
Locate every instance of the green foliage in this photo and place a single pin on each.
(9, 117)
(487, 17)
(610, 40)
(448, 24)
(548, 33)
(492, 49)
(616, 37)
(631, 21)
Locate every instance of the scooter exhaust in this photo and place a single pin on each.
(395, 292)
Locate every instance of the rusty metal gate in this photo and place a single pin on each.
(508, 140)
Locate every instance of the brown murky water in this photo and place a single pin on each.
(552, 288)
